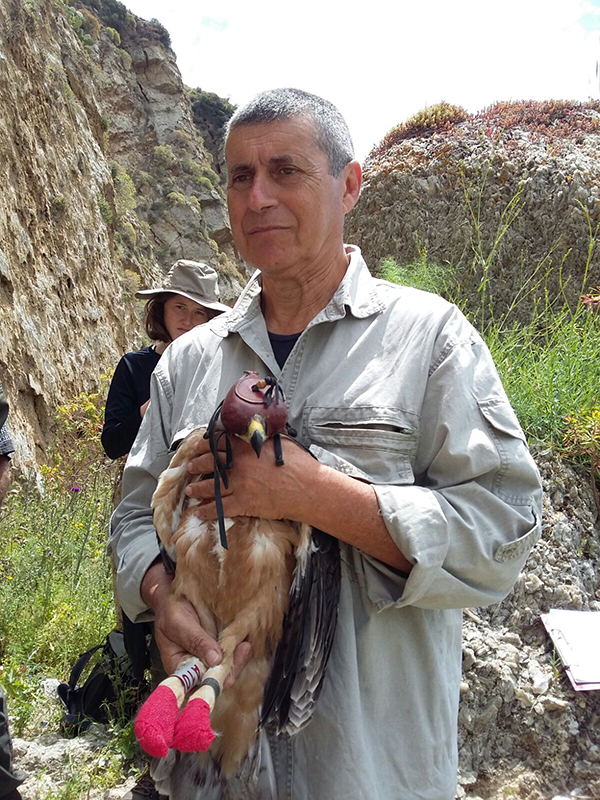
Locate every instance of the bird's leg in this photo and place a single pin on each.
(193, 731)
(156, 721)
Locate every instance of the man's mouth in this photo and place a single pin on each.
(266, 229)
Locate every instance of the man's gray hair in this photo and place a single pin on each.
(332, 134)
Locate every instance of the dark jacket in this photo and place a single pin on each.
(3, 407)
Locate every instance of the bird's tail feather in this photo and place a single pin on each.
(196, 776)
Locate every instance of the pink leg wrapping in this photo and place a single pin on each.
(193, 731)
(155, 723)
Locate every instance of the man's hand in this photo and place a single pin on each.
(177, 629)
(257, 486)
(302, 490)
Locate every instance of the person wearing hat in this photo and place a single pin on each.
(188, 297)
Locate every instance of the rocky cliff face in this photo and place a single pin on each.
(510, 197)
(105, 182)
(523, 730)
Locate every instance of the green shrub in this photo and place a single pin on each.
(75, 19)
(164, 156)
(91, 24)
(58, 205)
(113, 35)
(205, 182)
(125, 191)
(209, 173)
(209, 108)
(129, 234)
(177, 198)
(105, 210)
(126, 59)
(111, 13)
(161, 33)
(433, 119)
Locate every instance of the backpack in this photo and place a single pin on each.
(111, 690)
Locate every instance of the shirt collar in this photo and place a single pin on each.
(357, 293)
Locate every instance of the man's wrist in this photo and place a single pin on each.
(155, 583)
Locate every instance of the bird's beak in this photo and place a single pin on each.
(257, 434)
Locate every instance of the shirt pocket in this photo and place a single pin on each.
(376, 444)
(511, 482)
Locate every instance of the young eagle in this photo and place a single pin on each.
(272, 582)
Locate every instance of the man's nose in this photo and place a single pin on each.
(262, 193)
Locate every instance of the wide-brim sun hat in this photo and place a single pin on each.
(191, 279)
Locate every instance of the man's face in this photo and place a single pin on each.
(286, 210)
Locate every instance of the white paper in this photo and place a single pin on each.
(576, 636)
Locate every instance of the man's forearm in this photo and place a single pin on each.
(348, 509)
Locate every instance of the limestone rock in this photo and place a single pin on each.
(105, 182)
(505, 196)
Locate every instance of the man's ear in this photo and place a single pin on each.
(352, 178)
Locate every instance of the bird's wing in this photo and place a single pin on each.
(301, 658)
(169, 496)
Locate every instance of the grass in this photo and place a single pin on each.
(55, 586)
(56, 602)
(550, 369)
(56, 597)
(550, 366)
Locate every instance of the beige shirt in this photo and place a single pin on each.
(394, 386)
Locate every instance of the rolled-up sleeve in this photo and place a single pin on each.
(474, 512)
(132, 533)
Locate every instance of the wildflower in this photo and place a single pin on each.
(592, 300)
(75, 488)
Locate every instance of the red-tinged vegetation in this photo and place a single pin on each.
(553, 119)
(439, 117)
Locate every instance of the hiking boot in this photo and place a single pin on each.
(14, 795)
(144, 789)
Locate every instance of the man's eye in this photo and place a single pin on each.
(239, 178)
(288, 170)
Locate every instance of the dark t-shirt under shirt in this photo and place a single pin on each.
(282, 345)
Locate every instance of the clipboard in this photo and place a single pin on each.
(576, 636)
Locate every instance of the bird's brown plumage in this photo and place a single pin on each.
(239, 593)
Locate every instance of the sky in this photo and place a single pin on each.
(381, 61)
